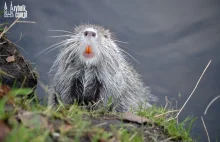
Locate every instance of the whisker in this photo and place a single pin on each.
(69, 41)
(122, 45)
(48, 48)
(211, 104)
(61, 31)
(57, 47)
(61, 36)
(121, 41)
(53, 48)
(130, 56)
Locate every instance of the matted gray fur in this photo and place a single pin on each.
(105, 76)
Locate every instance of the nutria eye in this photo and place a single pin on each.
(105, 36)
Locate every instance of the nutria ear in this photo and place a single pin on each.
(108, 35)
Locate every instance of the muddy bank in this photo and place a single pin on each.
(15, 71)
(67, 129)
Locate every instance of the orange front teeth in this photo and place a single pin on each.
(88, 50)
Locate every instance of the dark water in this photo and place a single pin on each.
(172, 40)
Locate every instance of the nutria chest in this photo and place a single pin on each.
(86, 86)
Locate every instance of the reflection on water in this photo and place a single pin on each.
(173, 42)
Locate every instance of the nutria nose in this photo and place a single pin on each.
(89, 33)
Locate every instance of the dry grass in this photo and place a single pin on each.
(193, 90)
(203, 122)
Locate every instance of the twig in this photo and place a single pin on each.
(5, 28)
(101, 124)
(170, 119)
(168, 139)
(4, 73)
(130, 139)
(16, 21)
(205, 129)
(2, 42)
(9, 27)
(32, 22)
(167, 101)
(3, 24)
(19, 37)
(43, 86)
(16, 45)
(29, 68)
(211, 104)
(193, 90)
(175, 102)
(171, 111)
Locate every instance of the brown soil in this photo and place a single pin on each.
(18, 71)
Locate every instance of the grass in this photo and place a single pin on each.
(1, 28)
(166, 119)
(74, 123)
(77, 127)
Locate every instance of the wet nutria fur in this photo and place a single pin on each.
(92, 68)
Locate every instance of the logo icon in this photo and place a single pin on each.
(16, 11)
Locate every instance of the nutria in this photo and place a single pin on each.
(92, 68)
